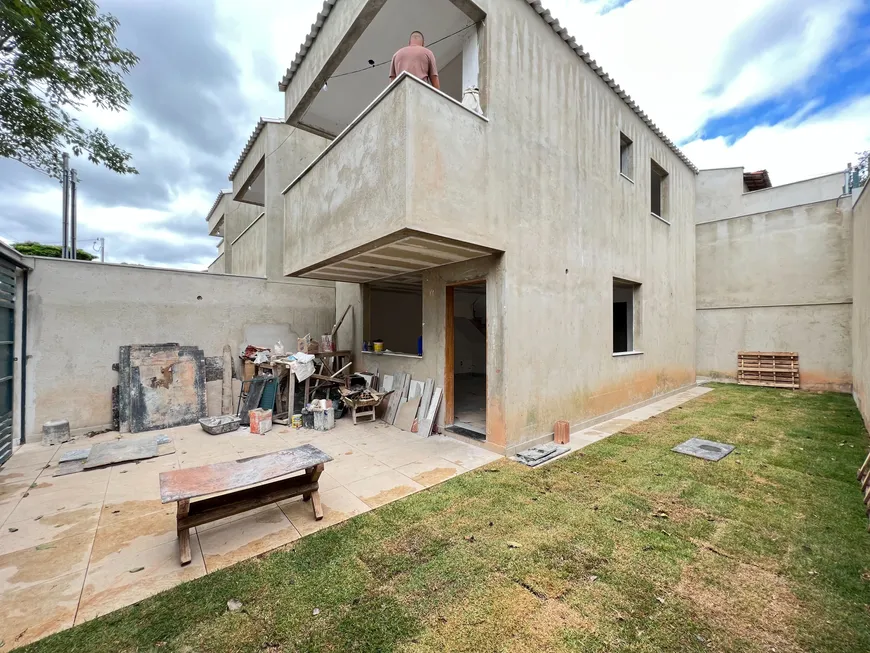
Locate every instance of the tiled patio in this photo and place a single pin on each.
(79, 546)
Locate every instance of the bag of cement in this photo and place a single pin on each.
(471, 99)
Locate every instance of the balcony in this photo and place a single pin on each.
(403, 188)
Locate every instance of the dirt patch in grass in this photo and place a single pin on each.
(744, 603)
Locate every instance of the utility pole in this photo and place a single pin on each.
(74, 180)
(65, 181)
(102, 250)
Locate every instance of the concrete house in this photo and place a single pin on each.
(545, 255)
(541, 253)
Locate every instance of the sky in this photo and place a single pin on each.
(776, 84)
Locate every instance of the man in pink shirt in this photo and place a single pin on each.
(417, 60)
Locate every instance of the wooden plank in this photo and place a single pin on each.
(220, 477)
(426, 399)
(408, 414)
(425, 426)
(211, 509)
(449, 356)
(863, 468)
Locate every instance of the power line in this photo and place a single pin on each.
(384, 63)
(362, 70)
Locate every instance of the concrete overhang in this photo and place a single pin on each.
(394, 257)
(247, 175)
(402, 189)
(216, 217)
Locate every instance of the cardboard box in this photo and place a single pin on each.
(307, 346)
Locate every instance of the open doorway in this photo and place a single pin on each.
(467, 333)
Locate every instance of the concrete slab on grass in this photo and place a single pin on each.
(706, 449)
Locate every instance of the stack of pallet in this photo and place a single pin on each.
(411, 405)
(864, 480)
(776, 369)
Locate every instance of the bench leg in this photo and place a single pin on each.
(184, 534)
(315, 503)
(313, 474)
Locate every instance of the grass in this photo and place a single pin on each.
(625, 546)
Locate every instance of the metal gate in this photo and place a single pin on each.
(7, 354)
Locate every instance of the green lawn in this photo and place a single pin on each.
(625, 546)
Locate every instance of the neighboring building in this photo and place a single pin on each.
(774, 273)
(538, 258)
(231, 221)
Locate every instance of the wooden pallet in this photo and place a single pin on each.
(769, 369)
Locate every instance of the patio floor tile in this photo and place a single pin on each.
(247, 537)
(384, 488)
(135, 575)
(338, 505)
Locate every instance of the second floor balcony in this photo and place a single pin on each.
(403, 188)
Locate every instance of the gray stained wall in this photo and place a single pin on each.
(281, 151)
(861, 307)
(778, 280)
(80, 313)
(249, 249)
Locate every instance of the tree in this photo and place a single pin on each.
(31, 248)
(863, 167)
(55, 57)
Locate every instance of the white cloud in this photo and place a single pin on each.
(683, 61)
(686, 61)
(796, 148)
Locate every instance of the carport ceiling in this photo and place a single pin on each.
(398, 256)
(344, 98)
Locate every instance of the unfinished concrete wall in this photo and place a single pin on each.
(720, 194)
(249, 249)
(573, 224)
(79, 313)
(218, 266)
(778, 281)
(861, 306)
(277, 155)
(238, 217)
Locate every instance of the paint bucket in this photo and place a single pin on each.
(379, 346)
(296, 421)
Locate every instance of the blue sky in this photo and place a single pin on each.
(776, 84)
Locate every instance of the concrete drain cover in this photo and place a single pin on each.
(705, 449)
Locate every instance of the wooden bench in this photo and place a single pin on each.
(235, 480)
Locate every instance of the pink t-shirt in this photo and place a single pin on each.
(417, 60)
